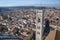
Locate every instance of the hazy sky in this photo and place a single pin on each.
(29, 2)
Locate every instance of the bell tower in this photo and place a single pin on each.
(39, 24)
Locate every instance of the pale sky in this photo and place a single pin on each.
(29, 3)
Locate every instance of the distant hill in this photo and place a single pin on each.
(3, 9)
